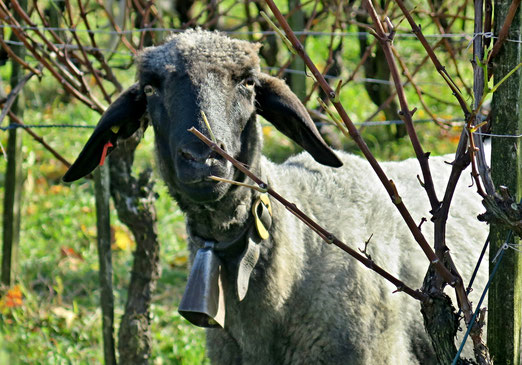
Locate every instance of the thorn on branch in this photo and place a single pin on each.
(337, 96)
(395, 197)
(420, 181)
(364, 251)
(423, 219)
(391, 28)
(330, 239)
(398, 290)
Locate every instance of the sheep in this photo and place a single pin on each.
(302, 301)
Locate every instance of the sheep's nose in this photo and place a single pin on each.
(198, 152)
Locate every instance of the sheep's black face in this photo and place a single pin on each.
(179, 88)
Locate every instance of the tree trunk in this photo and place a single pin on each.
(504, 314)
(13, 176)
(134, 200)
(297, 23)
(103, 224)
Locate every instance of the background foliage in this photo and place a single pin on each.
(51, 315)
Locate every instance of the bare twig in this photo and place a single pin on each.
(86, 58)
(418, 90)
(449, 48)
(109, 75)
(441, 69)
(117, 28)
(40, 140)
(478, 157)
(405, 113)
(364, 251)
(412, 226)
(17, 59)
(13, 95)
(323, 233)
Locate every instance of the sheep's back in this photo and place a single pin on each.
(351, 203)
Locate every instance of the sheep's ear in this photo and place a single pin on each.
(119, 121)
(281, 107)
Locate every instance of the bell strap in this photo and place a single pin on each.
(262, 212)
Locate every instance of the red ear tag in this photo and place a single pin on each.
(104, 152)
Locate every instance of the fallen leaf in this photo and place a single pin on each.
(12, 299)
(70, 252)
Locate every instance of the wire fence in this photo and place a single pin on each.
(468, 37)
(497, 260)
(238, 32)
(374, 123)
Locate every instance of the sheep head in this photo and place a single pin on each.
(198, 72)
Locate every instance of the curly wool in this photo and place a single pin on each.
(326, 308)
(195, 51)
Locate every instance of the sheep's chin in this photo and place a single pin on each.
(203, 192)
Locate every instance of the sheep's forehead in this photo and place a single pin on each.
(199, 51)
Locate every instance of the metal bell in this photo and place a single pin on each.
(203, 303)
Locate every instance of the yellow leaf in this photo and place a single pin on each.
(122, 239)
(180, 260)
(88, 231)
(267, 130)
(53, 169)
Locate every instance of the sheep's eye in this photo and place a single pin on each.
(148, 90)
(249, 82)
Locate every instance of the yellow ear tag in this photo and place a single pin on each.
(115, 128)
(261, 229)
(266, 201)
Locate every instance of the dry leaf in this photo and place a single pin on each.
(12, 299)
(70, 252)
